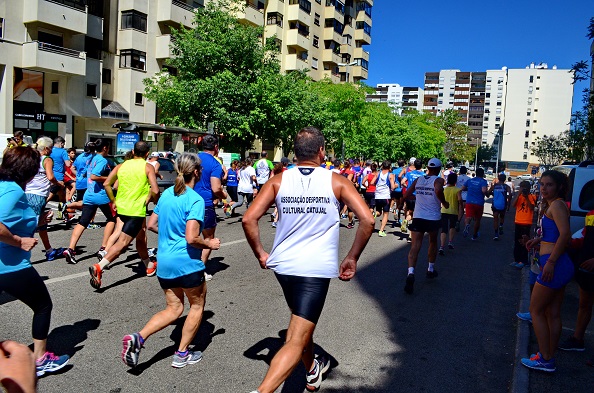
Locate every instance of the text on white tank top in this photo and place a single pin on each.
(382, 187)
(39, 185)
(306, 240)
(427, 207)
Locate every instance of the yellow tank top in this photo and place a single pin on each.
(133, 188)
(451, 195)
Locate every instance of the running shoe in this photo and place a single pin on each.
(524, 316)
(382, 234)
(572, 344)
(408, 240)
(207, 277)
(69, 254)
(315, 376)
(451, 245)
(96, 273)
(517, 265)
(404, 226)
(191, 357)
(475, 237)
(536, 362)
(68, 217)
(496, 237)
(59, 213)
(432, 274)
(410, 284)
(151, 271)
(500, 229)
(94, 226)
(466, 230)
(55, 253)
(441, 252)
(343, 216)
(132, 344)
(350, 225)
(227, 212)
(101, 254)
(457, 226)
(50, 363)
(274, 224)
(152, 252)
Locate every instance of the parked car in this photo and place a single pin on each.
(166, 169)
(525, 176)
(580, 195)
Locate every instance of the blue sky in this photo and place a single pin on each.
(474, 37)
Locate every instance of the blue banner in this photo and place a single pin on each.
(126, 141)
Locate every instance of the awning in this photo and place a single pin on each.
(115, 111)
(138, 127)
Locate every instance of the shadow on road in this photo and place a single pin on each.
(215, 265)
(67, 339)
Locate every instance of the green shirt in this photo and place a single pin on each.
(133, 188)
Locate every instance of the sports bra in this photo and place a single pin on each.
(550, 232)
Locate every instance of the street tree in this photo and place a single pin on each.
(456, 147)
(421, 137)
(486, 153)
(550, 150)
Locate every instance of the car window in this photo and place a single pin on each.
(586, 200)
(166, 165)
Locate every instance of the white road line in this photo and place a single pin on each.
(77, 275)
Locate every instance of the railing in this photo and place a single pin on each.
(254, 6)
(183, 5)
(73, 4)
(44, 46)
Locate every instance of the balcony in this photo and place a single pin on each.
(51, 58)
(294, 62)
(175, 11)
(163, 47)
(295, 13)
(296, 39)
(55, 14)
(360, 53)
(331, 11)
(331, 57)
(130, 38)
(95, 27)
(335, 78)
(361, 35)
(358, 72)
(331, 34)
(363, 17)
(251, 15)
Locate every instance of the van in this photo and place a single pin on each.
(580, 195)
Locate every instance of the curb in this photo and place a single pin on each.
(520, 379)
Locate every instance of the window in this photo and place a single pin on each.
(525, 156)
(133, 19)
(498, 103)
(440, 94)
(528, 113)
(489, 79)
(538, 88)
(531, 78)
(304, 5)
(314, 63)
(93, 47)
(586, 196)
(527, 134)
(528, 123)
(316, 41)
(55, 87)
(538, 77)
(525, 145)
(498, 118)
(535, 121)
(106, 76)
(338, 27)
(488, 95)
(171, 70)
(131, 58)
(1, 28)
(138, 99)
(317, 19)
(91, 90)
(274, 18)
(500, 87)
(363, 63)
(363, 6)
(362, 25)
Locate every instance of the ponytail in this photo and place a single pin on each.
(185, 165)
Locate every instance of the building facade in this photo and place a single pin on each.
(75, 67)
(400, 98)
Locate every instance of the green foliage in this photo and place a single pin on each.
(456, 147)
(486, 153)
(550, 150)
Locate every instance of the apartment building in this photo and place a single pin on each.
(400, 98)
(75, 67)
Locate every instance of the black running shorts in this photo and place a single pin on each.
(88, 212)
(424, 226)
(80, 194)
(191, 280)
(305, 296)
(132, 225)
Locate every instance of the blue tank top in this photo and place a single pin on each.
(550, 232)
(232, 178)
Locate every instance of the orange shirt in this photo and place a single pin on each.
(524, 215)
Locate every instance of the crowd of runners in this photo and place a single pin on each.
(310, 197)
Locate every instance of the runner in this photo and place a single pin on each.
(179, 214)
(18, 277)
(384, 184)
(462, 179)
(347, 171)
(449, 169)
(556, 271)
(410, 200)
(426, 219)
(94, 198)
(137, 187)
(246, 187)
(70, 176)
(37, 191)
(232, 184)
(61, 161)
(475, 202)
(397, 194)
(305, 252)
(81, 164)
(263, 168)
(451, 215)
(501, 203)
(210, 187)
(370, 188)
(154, 161)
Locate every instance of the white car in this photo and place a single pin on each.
(525, 176)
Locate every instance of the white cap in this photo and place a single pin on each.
(412, 160)
(154, 154)
(434, 163)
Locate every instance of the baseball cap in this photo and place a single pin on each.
(155, 154)
(284, 160)
(434, 163)
(412, 160)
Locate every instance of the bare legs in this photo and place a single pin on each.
(545, 309)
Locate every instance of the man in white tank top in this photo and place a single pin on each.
(304, 256)
(426, 218)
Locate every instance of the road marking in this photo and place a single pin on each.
(77, 275)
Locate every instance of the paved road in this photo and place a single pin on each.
(454, 334)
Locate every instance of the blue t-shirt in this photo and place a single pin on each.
(21, 220)
(396, 172)
(96, 194)
(412, 176)
(232, 178)
(59, 155)
(500, 196)
(81, 164)
(475, 191)
(176, 257)
(210, 168)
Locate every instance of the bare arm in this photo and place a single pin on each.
(195, 240)
(217, 188)
(152, 179)
(109, 181)
(24, 243)
(48, 164)
(438, 185)
(460, 205)
(153, 223)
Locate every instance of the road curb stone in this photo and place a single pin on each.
(520, 379)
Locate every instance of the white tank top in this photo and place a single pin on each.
(427, 207)
(306, 240)
(382, 187)
(39, 185)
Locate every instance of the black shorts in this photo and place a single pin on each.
(410, 204)
(132, 225)
(382, 205)
(88, 212)
(498, 211)
(369, 198)
(191, 280)
(55, 188)
(422, 225)
(448, 221)
(232, 191)
(80, 194)
(396, 195)
(305, 296)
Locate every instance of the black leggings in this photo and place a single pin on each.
(27, 286)
(520, 252)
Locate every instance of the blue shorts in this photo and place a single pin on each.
(563, 271)
(210, 218)
(37, 203)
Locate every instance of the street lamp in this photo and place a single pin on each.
(347, 65)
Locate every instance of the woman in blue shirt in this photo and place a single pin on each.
(180, 216)
(232, 183)
(18, 278)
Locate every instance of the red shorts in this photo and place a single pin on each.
(474, 211)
